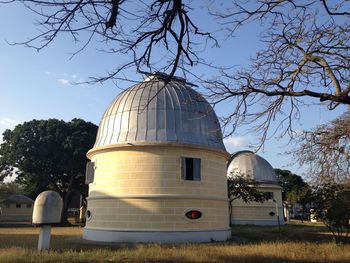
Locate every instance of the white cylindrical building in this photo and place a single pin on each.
(253, 166)
(158, 168)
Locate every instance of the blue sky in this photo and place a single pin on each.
(37, 85)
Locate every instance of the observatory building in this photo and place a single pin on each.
(270, 212)
(158, 168)
(16, 208)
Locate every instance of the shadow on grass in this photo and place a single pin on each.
(288, 232)
(14, 224)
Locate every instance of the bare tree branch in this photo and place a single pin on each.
(306, 56)
(135, 29)
(326, 150)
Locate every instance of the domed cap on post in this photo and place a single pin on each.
(247, 163)
(47, 208)
(152, 112)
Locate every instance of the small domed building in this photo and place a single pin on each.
(16, 208)
(158, 168)
(247, 163)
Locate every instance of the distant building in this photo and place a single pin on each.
(247, 163)
(16, 208)
(74, 205)
(158, 168)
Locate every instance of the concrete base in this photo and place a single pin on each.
(257, 222)
(156, 236)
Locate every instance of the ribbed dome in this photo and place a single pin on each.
(150, 112)
(249, 164)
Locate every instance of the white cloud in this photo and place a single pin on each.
(236, 141)
(67, 75)
(65, 78)
(64, 81)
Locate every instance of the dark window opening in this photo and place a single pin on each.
(190, 169)
(269, 195)
(29, 206)
(18, 205)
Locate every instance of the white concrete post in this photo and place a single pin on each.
(47, 211)
(44, 237)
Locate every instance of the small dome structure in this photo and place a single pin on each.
(152, 112)
(16, 208)
(253, 166)
(247, 163)
(18, 199)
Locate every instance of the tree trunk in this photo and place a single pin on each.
(66, 196)
(64, 214)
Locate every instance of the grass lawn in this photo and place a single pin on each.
(295, 243)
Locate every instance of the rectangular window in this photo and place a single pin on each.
(18, 205)
(29, 206)
(269, 195)
(90, 172)
(190, 169)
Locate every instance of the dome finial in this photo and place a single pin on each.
(164, 76)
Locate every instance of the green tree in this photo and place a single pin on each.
(48, 154)
(332, 206)
(292, 185)
(294, 190)
(10, 188)
(244, 188)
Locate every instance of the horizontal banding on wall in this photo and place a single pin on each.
(156, 236)
(262, 222)
(156, 214)
(158, 196)
(140, 145)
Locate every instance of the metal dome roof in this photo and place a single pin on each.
(150, 112)
(18, 199)
(247, 163)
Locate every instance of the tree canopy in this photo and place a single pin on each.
(48, 154)
(331, 204)
(304, 57)
(10, 188)
(326, 151)
(293, 186)
(295, 191)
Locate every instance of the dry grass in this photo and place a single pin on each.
(296, 243)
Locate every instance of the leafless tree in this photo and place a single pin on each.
(306, 60)
(157, 35)
(305, 57)
(326, 150)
